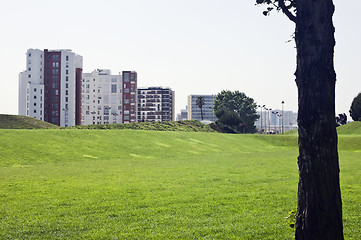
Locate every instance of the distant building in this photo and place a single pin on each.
(50, 87)
(109, 98)
(194, 112)
(183, 115)
(271, 121)
(156, 104)
(129, 87)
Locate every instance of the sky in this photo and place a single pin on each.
(191, 46)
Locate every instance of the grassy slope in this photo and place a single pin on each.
(22, 122)
(127, 184)
(352, 128)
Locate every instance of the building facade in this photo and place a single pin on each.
(108, 98)
(156, 104)
(183, 115)
(129, 88)
(194, 112)
(273, 121)
(50, 87)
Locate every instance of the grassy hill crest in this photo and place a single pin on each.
(182, 126)
(22, 122)
(352, 128)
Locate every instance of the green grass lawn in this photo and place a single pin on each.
(126, 184)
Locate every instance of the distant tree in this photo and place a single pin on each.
(319, 212)
(228, 119)
(240, 103)
(355, 110)
(341, 119)
(200, 103)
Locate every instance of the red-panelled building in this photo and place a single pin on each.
(129, 89)
(50, 87)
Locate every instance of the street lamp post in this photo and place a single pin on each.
(262, 106)
(279, 122)
(283, 102)
(266, 120)
(276, 114)
(269, 120)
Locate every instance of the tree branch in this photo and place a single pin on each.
(281, 4)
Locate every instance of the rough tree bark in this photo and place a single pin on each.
(319, 213)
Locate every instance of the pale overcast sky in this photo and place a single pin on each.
(192, 46)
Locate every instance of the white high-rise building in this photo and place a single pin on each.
(109, 98)
(50, 87)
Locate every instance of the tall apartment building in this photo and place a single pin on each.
(109, 98)
(194, 112)
(129, 96)
(156, 104)
(50, 87)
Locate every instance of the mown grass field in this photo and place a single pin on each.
(126, 184)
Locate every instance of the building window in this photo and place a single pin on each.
(66, 85)
(126, 90)
(126, 77)
(34, 111)
(34, 96)
(67, 58)
(29, 75)
(66, 92)
(66, 78)
(114, 88)
(34, 89)
(67, 71)
(66, 99)
(29, 54)
(29, 69)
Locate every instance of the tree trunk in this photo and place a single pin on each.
(319, 213)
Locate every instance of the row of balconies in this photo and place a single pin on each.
(153, 100)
